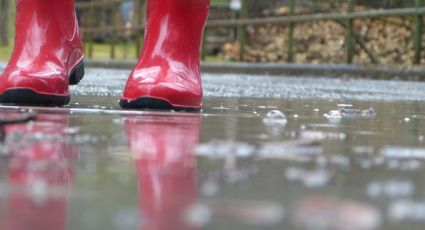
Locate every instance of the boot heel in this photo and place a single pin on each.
(77, 74)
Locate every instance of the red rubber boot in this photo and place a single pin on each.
(47, 56)
(167, 75)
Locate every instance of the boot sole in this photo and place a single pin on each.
(30, 97)
(154, 104)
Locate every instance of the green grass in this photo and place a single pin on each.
(5, 52)
(124, 51)
(220, 1)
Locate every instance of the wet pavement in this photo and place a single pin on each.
(266, 152)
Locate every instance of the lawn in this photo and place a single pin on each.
(123, 51)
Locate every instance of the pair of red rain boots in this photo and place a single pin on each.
(48, 56)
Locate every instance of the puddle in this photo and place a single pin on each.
(265, 158)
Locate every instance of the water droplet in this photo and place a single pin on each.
(334, 114)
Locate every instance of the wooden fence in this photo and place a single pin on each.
(101, 22)
(4, 22)
(239, 22)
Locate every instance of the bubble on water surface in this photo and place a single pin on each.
(275, 118)
(334, 114)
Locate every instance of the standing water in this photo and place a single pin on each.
(273, 153)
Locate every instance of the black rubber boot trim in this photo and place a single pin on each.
(77, 74)
(30, 97)
(154, 104)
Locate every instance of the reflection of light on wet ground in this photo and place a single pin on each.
(245, 162)
(329, 213)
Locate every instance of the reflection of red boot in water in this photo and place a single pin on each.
(166, 168)
(167, 75)
(40, 173)
(47, 56)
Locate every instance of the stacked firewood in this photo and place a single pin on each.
(390, 40)
(387, 40)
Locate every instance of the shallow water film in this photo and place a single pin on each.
(265, 153)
